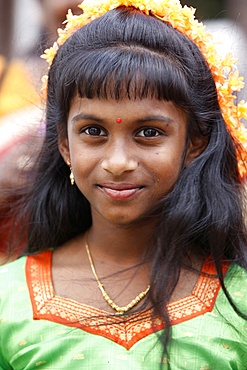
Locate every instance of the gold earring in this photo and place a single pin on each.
(71, 176)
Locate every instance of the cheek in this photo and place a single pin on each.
(167, 171)
(166, 179)
(84, 166)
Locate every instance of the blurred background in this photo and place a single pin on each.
(227, 21)
(27, 27)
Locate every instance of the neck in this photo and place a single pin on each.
(128, 244)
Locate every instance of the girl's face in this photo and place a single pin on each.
(126, 155)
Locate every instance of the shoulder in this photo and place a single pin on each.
(233, 312)
(236, 285)
(13, 290)
(15, 276)
(15, 280)
(12, 272)
(236, 277)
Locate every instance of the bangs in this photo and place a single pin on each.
(124, 72)
(125, 54)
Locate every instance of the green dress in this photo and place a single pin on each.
(40, 330)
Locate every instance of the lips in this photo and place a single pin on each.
(120, 191)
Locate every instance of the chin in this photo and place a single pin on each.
(127, 221)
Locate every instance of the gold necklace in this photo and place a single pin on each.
(106, 297)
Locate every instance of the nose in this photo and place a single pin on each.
(119, 160)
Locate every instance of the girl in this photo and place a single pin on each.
(136, 243)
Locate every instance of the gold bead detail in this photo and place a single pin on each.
(107, 298)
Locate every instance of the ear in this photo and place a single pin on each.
(195, 148)
(63, 146)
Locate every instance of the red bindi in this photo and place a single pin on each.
(119, 120)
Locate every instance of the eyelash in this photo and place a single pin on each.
(100, 131)
(157, 132)
(86, 131)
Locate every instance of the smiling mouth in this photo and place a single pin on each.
(120, 191)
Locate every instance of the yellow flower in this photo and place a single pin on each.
(242, 109)
(50, 53)
(235, 81)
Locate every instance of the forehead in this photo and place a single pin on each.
(139, 110)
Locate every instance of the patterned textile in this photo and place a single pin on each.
(39, 329)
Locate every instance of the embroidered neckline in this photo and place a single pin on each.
(47, 305)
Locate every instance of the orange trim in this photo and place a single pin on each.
(124, 331)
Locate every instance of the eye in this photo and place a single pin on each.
(94, 131)
(149, 132)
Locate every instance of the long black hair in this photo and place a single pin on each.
(127, 54)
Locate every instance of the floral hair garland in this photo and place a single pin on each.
(224, 71)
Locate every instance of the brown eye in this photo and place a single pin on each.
(94, 131)
(149, 132)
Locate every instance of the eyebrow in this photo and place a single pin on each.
(158, 117)
(83, 116)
